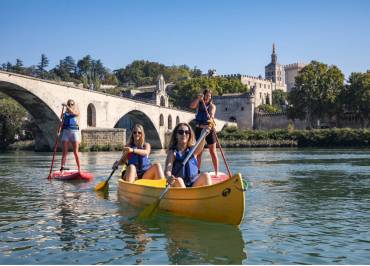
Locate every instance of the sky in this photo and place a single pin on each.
(233, 36)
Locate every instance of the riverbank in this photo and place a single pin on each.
(233, 137)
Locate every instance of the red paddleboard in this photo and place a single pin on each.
(219, 178)
(72, 175)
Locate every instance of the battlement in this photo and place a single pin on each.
(244, 76)
(295, 65)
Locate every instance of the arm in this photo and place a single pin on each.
(194, 104)
(141, 152)
(73, 110)
(212, 111)
(169, 163)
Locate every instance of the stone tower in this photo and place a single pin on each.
(275, 71)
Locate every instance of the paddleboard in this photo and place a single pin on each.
(72, 175)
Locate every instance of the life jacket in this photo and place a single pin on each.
(142, 163)
(201, 116)
(189, 172)
(70, 121)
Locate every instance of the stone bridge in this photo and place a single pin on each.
(43, 100)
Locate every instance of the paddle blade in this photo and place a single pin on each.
(102, 186)
(149, 211)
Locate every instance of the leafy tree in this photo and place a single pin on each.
(356, 96)
(185, 90)
(279, 98)
(11, 114)
(315, 95)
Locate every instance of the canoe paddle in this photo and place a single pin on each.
(104, 184)
(149, 211)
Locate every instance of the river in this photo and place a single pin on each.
(303, 206)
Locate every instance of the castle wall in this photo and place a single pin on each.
(273, 121)
(237, 108)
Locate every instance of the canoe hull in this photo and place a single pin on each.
(222, 202)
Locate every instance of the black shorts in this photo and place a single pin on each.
(210, 139)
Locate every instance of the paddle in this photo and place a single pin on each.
(152, 208)
(218, 142)
(56, 141)
(104, 184)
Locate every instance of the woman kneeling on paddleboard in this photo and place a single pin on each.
(136, 156)
(182, 140)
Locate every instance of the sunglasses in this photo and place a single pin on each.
(137, 132)
(181, 132)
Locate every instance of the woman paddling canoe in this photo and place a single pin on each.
(136, 156)
(181, 142)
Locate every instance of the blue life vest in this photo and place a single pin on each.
(189, 172)
(201, 116)
(142, 163)
(70, 121)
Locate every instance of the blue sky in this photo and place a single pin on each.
(230, 36)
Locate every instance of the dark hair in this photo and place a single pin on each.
(207, 91)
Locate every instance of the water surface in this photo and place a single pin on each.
(304, 206)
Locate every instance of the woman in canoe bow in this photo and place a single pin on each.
(182, 140)
(136, 156)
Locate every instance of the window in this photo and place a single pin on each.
(242, 108)
(169, 122)
(177, 120)
(91, 115)
(161, 121)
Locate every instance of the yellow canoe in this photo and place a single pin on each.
(222, 202)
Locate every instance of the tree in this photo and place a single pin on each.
(279, 98)
(315, 95)
(356, 96)
(11, 114)
(18, 67)
(44, 63)
(185, 90)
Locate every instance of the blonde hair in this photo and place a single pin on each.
(173, 140)
(142, 138)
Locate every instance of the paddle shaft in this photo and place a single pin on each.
(204, 134)
(111, 174)
(218, 142)
(56, 141)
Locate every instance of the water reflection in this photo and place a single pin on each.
(192, 242)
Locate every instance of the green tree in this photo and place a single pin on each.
(315, 95)
(41, 67)
(279, 98)
(356, 96)
(186, 90)
(11, 114)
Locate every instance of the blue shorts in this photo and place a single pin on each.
(71, 135)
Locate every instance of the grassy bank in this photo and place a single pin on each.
(336, 137)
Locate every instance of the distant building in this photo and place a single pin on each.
(291, 71)
(154, 93)
(275, 72)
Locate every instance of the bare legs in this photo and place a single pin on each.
(213, 152)
(154, 172)
(203, 180)
(75, 153)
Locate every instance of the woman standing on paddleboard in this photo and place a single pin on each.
(71, 132)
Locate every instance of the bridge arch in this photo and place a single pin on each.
(45, 118)
(131, 118)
